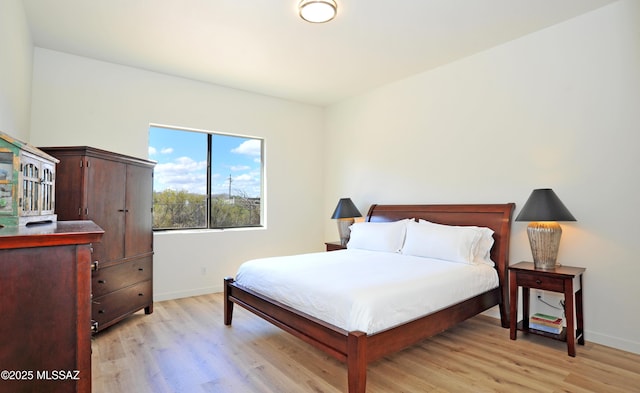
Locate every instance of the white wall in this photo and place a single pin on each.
(78, 101)
(558, 108)
(16, 59)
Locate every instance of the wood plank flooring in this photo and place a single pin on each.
(185, 347)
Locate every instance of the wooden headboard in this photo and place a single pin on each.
(494, 216)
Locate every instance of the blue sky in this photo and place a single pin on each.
(182, 162)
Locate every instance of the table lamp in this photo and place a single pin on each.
(344, 213)
(543, 209)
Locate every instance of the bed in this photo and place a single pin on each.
(356, 347)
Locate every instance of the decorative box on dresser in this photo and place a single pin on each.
(45, 306)
(116, 192)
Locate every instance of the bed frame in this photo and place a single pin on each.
(356, 348)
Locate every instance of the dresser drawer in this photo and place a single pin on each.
(112, 278)
(121, 302)
(540, 282)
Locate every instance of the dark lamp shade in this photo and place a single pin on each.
(346, 209)
(544, 205)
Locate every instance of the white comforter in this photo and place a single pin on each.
(368, 291)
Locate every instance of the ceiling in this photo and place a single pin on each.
(263, 46)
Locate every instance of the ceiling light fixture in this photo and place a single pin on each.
(318, 11)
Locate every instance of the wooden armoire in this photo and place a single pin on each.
(116, 192)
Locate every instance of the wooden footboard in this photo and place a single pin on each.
(356, 348)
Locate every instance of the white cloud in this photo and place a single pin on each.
(244, 178)
(164, 150)
(249, 147)
(182, 174)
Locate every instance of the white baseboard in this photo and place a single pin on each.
(159, 297)
(613, 342)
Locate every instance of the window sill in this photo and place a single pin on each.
(206, 230)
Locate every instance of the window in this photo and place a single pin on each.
(205, 179)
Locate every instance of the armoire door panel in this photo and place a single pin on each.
(139, 230)
(69, 188)
(106, 206)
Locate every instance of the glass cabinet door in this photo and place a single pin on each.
(47, 186)
(30, 171)
(6, 182)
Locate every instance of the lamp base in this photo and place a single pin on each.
(344, 231)
(544, 239)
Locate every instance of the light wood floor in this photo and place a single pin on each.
(185, 347)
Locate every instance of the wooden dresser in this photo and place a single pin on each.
(116, 192)
(45, 306)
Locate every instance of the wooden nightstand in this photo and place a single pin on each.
(563, 279)
(333, 246)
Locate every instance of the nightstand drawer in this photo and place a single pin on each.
(538, 281)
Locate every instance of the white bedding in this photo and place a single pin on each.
(363, 290)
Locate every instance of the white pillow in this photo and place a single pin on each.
(378, 236)
(482, 249)
(462, 244)
(482, 253)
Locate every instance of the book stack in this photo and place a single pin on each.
(545, 323)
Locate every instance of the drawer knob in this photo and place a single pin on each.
(141, 294)
(538, 282)
(102, 281)
(101, 311)
(140, 269)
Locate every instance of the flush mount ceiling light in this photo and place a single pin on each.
(318, 11)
